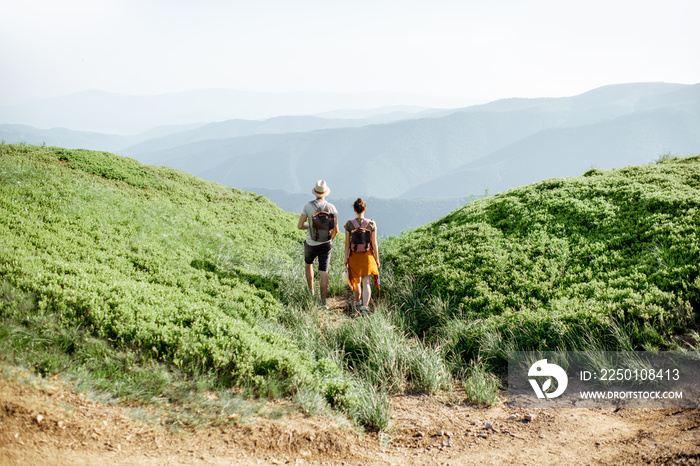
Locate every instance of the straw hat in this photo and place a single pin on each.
(321, 189)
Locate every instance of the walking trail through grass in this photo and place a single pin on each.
(43, 422)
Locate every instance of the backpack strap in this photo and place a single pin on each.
(365, 224)
(317, 208)
(356, 224)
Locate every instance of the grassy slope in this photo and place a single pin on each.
(148, 258)
(168, 268)
(610, 259)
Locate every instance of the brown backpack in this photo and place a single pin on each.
(323, 223)
(360, 236)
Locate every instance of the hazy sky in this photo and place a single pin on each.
(471, 48)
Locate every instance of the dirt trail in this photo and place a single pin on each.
(43, 422)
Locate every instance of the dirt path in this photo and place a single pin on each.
(42, 422)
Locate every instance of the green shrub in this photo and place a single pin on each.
(606, 260)
(150, 259)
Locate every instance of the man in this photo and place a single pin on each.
(321, 229)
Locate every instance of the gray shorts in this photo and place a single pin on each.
(322, 251)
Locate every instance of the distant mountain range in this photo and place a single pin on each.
(106, 112)
(656, 127)
(164, 137)
(490, 147)
(408, 153)
(71, 139)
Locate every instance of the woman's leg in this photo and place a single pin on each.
(366, 290)
(357, 291)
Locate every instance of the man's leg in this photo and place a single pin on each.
(324, 261)
(309, 257)
(309, 269)
(324, 284)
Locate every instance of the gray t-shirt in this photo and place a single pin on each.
(309, 210)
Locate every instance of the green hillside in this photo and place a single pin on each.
(148, 259)
(153, 284)
(607, 260)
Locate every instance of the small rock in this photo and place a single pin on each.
(489, 426)
(39, 418)
(420, 434)
(529, 417)
(483, 435)
(541, 435)
(512, 417)
(449, 434)
(61, 425)
(440, 433)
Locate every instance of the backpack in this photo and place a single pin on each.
(323, 224)
(360, 237)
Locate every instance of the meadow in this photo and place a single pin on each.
(608, 260)
(142, 283)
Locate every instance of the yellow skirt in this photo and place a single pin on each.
(361, 264)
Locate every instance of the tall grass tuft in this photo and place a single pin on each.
(480, 385)
(371, 408)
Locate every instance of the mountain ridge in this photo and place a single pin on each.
(132, 114)
(632, 139)
(432, 154)
(415, 152)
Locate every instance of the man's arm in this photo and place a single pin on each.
(347, 247)
(302, 222)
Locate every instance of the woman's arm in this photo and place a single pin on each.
(375, 247)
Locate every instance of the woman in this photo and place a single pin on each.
(361, 255)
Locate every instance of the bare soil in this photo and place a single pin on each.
(42, 421)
